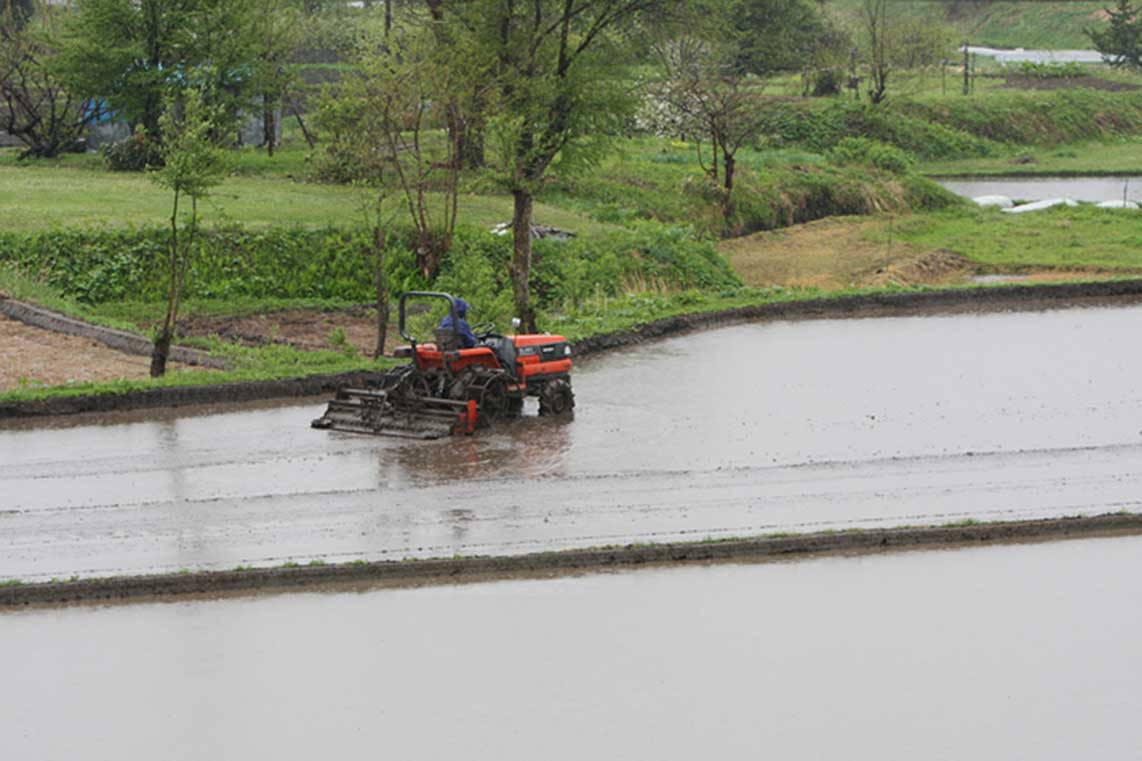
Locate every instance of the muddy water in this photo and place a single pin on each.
(782, 426)
(1091, 189)
(996, 653)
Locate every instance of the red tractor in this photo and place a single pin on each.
(448, 389)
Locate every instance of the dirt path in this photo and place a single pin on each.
(301, 328)
(31, 356)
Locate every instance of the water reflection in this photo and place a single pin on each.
(525, 449)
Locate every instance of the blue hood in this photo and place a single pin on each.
(461, 307)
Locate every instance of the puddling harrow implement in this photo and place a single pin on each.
(446, 389)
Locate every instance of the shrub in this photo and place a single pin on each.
(861, 150)
(131, 154)
(101, 265)
(1037, 70)
(827, 82)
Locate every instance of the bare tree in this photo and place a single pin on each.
(37, 109)
(710, 100)
(876, 24)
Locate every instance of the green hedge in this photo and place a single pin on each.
(99, 265)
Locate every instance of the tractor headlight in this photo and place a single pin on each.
(567, 351)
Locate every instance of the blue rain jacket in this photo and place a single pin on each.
(467, 337)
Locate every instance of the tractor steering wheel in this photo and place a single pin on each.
(484, 330)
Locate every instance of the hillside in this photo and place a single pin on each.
(1049, 25)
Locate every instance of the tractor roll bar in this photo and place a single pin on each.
(428, 295)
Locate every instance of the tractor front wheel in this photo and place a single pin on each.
(556, 398)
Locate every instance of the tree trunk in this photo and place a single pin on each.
(269, 128)
(162, 347)
(521, 258)
(161, 352)
(472, 152)
(381, 282)
(728, 187)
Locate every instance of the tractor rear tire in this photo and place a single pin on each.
(556, 398)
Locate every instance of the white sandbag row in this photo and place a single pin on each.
(1004, 203)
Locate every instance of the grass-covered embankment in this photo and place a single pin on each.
(990, 124)
(645, 179)
(1117, 158)
(944, 248)
(1069, 238)
(1051, 24)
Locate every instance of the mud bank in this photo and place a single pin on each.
(1001, 298)
(989, 653)
(444, 571)
(1026, 297)
(178, 396)
(120, 340)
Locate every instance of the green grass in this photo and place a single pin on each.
(36, 196)
(141, 315)
(1080, 237)
(1123, 157)
(658, 180)
(16, 285)
(644, 179)
(1002, 23)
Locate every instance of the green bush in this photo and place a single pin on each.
(826, 82)
(1067, 70)
(131, 154)
(100, 265)
(861, 150)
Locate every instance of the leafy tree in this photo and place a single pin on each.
(467, 122)
(387, 125)
(123, 52)
(19, 12)
(1121, 40)
(775, 35)
(274, 36)
(558, 91)
(36, 108)
(192, 165)
(134, 53)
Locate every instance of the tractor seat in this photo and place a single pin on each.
(505, 351)
(446, 339)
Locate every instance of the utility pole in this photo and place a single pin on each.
(967, 69)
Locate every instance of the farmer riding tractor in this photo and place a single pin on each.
(447, 389)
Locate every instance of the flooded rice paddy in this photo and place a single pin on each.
(1024, 651)
(753, 429)
(1089, 189)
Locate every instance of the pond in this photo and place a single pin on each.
(1090, 189)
